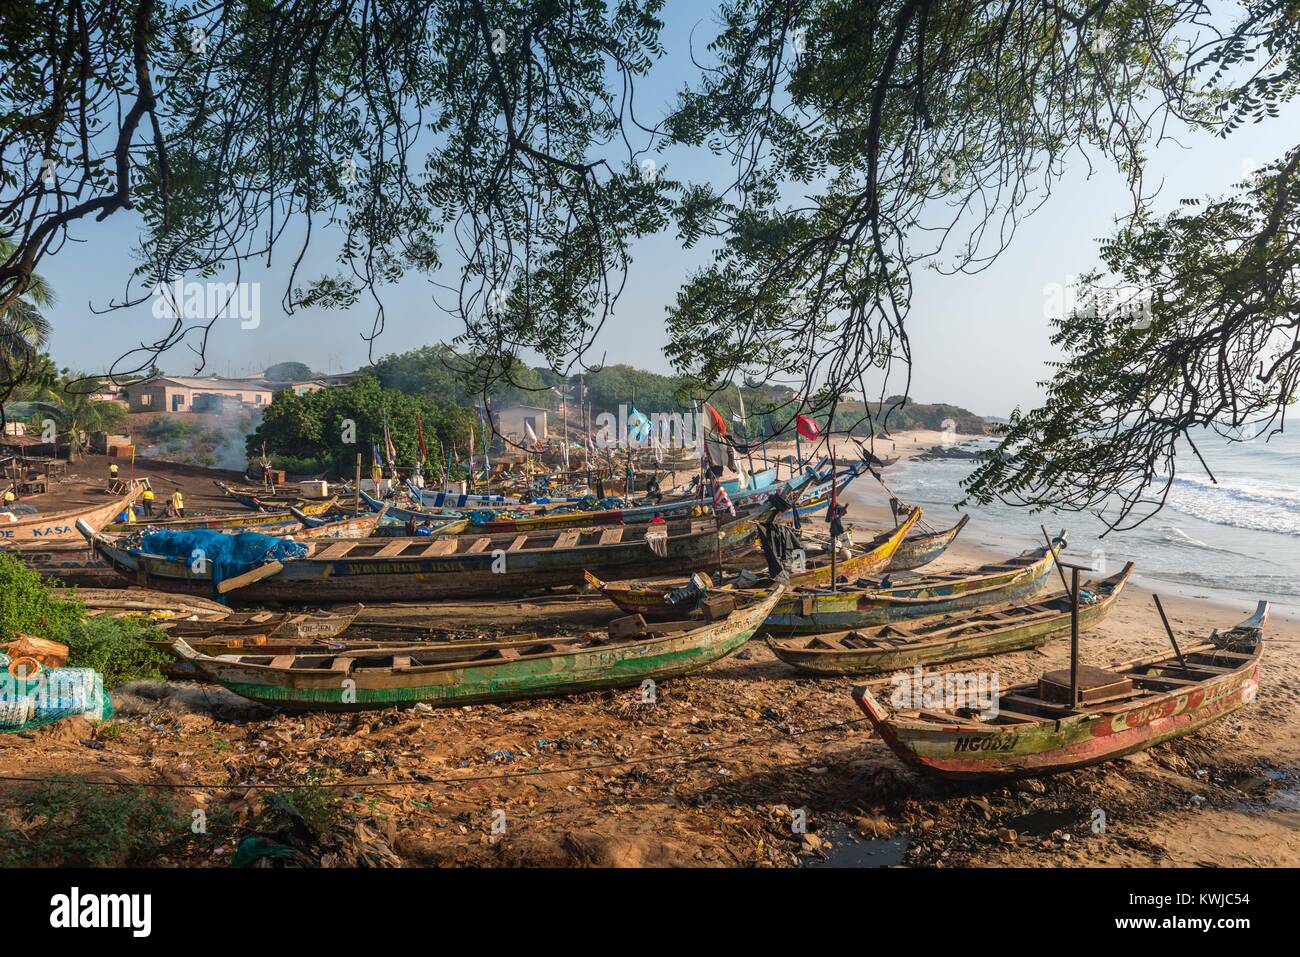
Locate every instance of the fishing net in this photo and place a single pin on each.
(228, 555)
(49, 695)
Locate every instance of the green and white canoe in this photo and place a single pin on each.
(994, 630)
(464, 673)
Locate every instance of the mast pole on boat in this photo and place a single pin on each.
(1170, 632)
(1074, 635)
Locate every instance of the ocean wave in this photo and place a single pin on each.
(1258, 505)
(1175, 536)
(1249, 587)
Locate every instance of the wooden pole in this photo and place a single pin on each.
(1074, 637)
(1170, 632)
(1056, 561)
(834, 519)
(356, 505)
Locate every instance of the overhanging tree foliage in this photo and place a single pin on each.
(499, 138)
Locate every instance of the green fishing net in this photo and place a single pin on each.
(50, 695)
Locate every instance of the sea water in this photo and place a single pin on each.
(1232, 539)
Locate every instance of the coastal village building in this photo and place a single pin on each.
(186, 394)
(511, 421)
(209, 394)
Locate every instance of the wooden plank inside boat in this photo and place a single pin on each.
(336, 550)
(443, 546)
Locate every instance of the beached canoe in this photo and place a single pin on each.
(814, 493)
(143, 601)
(268, 523)
(464, 673)
(283, 625)
(427, 568)
(898, 597)
(260, 500)
(343, 526)
(1034, 729)
(993, 630)
(69, 563)
(55, 527)
(664, 600)
(922, 547)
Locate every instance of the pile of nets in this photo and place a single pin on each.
(49, 695)
(226, 555)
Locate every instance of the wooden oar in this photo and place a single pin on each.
(256, 575)
(1169, 631)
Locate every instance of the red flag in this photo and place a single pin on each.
(807, 427)
(715, 418)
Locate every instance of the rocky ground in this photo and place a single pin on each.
(742, 764)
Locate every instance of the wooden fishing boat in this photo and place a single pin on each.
(260, 500)
(71, 563)
(144, 603)
(1036, 730)
(994, 630)
(898, 597)
(922, 547)
(445, 566)
(343, 526)
(464, 673)
(664, 600)
(269, 523)
(52, 527)
(285, 625)
(566, 515)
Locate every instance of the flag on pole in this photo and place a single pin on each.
(390, 450)
(807, 427)
(376, 466)
(715, 419)
(721, 500)
(419, 430)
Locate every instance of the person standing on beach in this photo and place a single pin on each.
(112, 471)
(146, 502)
(178, 503)
(841, 537)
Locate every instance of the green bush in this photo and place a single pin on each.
(28, 608)
(115, 647)
(77, 824)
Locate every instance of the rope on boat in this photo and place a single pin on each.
(690, 758)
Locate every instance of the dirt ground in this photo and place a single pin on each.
(745, 763)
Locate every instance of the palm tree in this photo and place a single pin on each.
(24, 330)
(79, 413)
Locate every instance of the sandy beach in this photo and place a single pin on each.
(724, 768)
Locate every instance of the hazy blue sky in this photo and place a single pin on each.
(978, 341)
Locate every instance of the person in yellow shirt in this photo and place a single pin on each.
(178, 503)
(9, 496)
(146, 502)
(112, 472)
